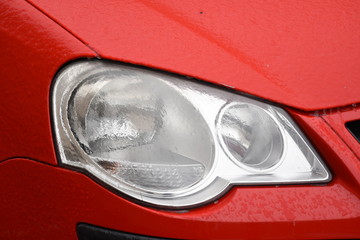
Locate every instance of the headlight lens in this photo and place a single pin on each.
(128, 128)
(251, 137)
(171, 142)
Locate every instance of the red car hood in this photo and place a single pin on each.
(303, 54)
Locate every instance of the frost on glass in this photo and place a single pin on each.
(250, 136)
(172, 142)
(139, 131)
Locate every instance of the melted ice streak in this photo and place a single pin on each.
(140, 132)
(117, 129)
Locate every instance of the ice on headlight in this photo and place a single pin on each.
(171, 142)
(138, 130)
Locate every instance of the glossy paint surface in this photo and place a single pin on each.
(40, 200)
(54, 200)
(303, 54)
(32, 50)
(337, 118)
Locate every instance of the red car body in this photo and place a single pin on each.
(303, 56)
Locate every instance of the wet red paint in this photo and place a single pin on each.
(338, 156)
(302, 54)
(32, 50)
(337, 118)
(286, 53)
(50, 201)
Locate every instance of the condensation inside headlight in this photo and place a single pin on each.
(172, 142)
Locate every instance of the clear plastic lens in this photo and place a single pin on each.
(250, 136)
(172, 142)
(126, 125)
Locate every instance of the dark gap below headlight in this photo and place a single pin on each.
(91, 232)
(354, 128)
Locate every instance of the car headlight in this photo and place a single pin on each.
(172, 142)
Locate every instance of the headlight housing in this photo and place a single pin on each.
(172, 142)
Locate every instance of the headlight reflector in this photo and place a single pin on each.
(171, 142)
(250, 136)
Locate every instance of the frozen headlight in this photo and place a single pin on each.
(171, 142)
